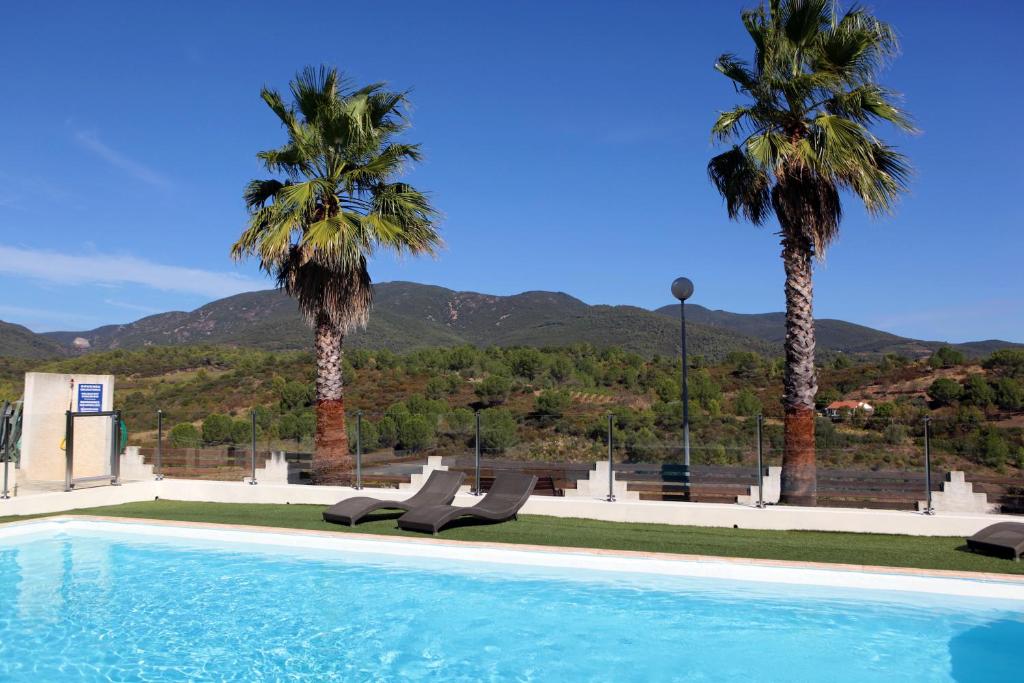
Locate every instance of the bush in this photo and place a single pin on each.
(978, 392)
(494, 390)
(945, 357)
(992, 448)
(895, 434)
(416, 432)
(945, 391)
(497, 429)
(217, 429)
(241, 432)
(552, 403)
(747, 403)
(525, 362)
(1009, 394)
(184, 435)
(1008, 362)
(298, 425)
(368, 432)
(460, 422)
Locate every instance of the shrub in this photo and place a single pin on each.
(497, 429)
(945, 357)
(1008, 362)
(241, 432)
(416, 432)
(978, 392)
(747, 403)
(552, 403)
(525, 362)
(1009, 394)
(992, 448)
(494, 390)
(184, 435)
(460, 422)
(217, 429)
(945, 391)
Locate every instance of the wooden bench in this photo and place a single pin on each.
(545, 486)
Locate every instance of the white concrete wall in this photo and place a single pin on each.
(780, 517)
(47, 398)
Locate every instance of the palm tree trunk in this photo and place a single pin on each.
(331, 461)
(799, 473)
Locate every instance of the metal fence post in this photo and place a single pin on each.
(611, 471)
(69, 448)
(5, 434)
(159, 445)
(115, 448)
(252, 480)
(760, 462)
(359, 450)
(476, 448)
(928, 509)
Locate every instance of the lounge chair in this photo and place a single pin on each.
(507, 495)
(1004, 538)
(440, 489)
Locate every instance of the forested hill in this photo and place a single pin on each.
(408, 316)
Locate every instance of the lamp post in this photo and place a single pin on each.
(682, 289)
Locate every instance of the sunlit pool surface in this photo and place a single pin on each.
(98, 606)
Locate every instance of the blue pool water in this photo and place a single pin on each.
(99, 606)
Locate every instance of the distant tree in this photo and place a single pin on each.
(841, 362)
(1008, 362)
(643, 445)
(241, 432)
(184, 435)
(895, 434)
(992, 449)
(884, 410)
(416, 432)
(560, 368)
(704, 390)
(1009, 394)
(526, 362)
(217, 429)
(552, 403)
(336, 199)
(945, 391)
(800, 140)
(460, 422)
(494, 389)
(978, 392)
(825, 397)
(747, 403)
(498, 429)
(667, 389)
(945, 357)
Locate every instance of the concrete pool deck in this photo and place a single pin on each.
(846, 576)
(782, 518)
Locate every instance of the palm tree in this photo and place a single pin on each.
(335, 202)
(802, 138)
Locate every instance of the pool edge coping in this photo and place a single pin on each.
(989, 577)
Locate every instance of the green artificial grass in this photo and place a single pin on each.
(808, 546)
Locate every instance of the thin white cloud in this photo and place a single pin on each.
(91, 142)
(128, 306)
(60, 268)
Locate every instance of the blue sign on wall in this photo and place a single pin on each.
(90, 398)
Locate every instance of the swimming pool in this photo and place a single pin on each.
(93, 601)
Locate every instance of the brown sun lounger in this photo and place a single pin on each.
(507, 495)
(440, 489)
(1005, 539)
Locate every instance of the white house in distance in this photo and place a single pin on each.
(837, 409)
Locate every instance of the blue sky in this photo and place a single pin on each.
(565, 143)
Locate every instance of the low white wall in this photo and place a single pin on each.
(659, 512)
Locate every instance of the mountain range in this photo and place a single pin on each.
(408, 315)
